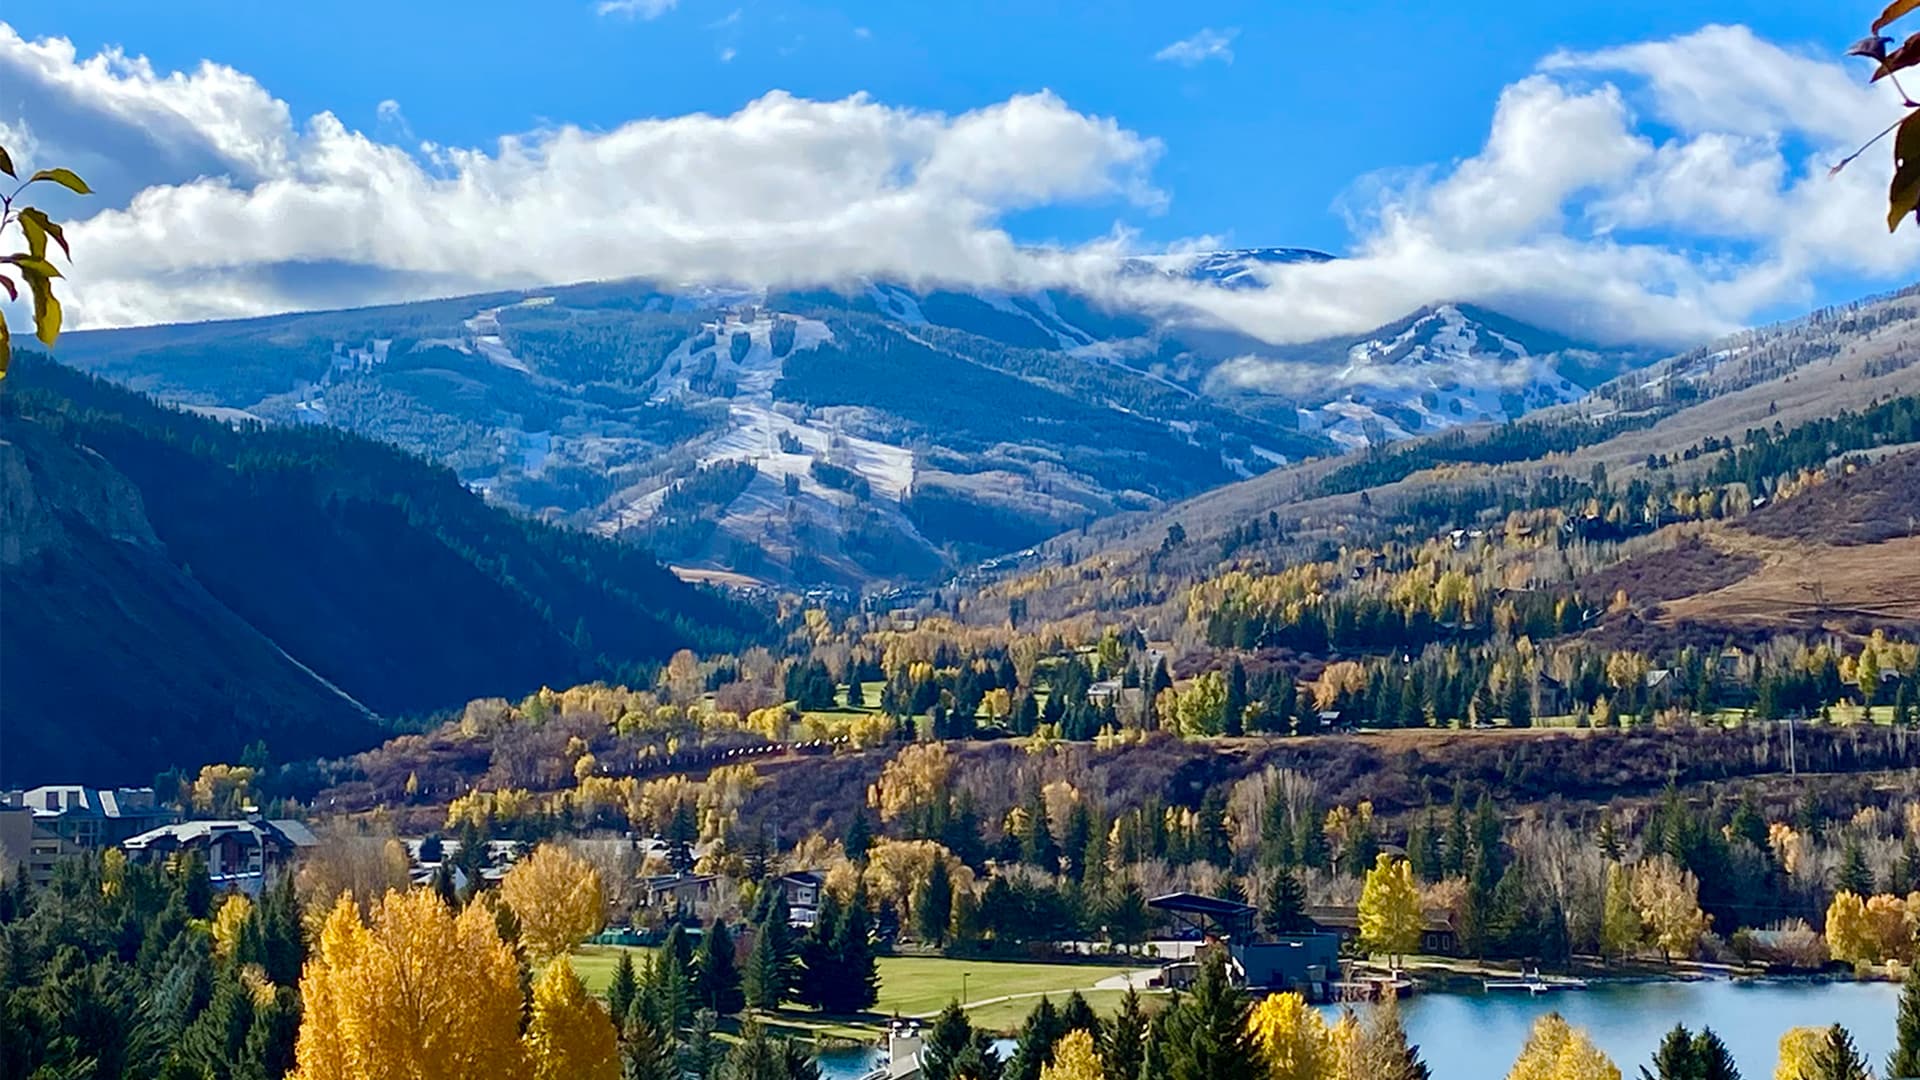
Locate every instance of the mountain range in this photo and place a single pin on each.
(845, 436)
(177, 588)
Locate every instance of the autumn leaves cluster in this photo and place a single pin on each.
(413, 988)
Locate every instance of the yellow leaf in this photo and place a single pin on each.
(66, 178)
(1904, 196)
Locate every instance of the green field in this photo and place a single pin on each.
(920, 986)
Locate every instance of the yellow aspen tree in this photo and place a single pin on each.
(417, 993)
(570, 1036)
(1293, 1038)
(1849, 938)
(1390, 915)
(228, 924)
(1669, 901)
(1798, 1049)
(558, 898)
(1621, 930)
(1556, 1050)
(1074, 1058)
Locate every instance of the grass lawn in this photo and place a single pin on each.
(595, 963)
(916, 986)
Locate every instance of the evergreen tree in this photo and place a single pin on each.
(623, 988)
(857, 985)
(820, 966)
(1037, 847)
(1854, 876)
(1423, 849)
(1206, 1032)
(757, 1056)
(1905, 1061)
(1234, 721)
(1033, 1048)
(1836, 1059)
(1123, 1040)
(859, 838)
(933, 910)
(1077, 1015)
(1711, 1057)
(955, 1050)
(770, 967)
(716, 980)
(1285, 911)
(682, 832)
(645, 1053)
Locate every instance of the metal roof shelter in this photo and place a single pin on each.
(1209, 915)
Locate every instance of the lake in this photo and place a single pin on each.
(1477, 1036)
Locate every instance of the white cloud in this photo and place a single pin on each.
(1617, 195)
(635, 9)
(1208, 44)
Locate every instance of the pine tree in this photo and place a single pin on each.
(770, 967)
(820, 965)
(1675, 1059)
(1206, 1033)
(859, 838)
(1234, 722)
(623, 988)
(1854, 876)
(1077, 1015)
(1711, 1057)
(1836, 1059)
(716, 974)
(1123, 1042)
(933, 909)
(645, 1054)
(1033, 1049)
(1905, 1061)
(1285, 911)
(949, 1038)
(1037, 847)
(857, 987)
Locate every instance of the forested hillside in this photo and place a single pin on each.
(177, 587)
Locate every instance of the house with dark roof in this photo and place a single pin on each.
(239, 854)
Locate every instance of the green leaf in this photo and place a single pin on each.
(1899, 59)
(66, 178)
(1903, 197)
(33, 218)
(1895, 10)
(6, 163)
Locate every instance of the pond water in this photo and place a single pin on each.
(1477, 1036)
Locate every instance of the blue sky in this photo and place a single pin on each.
(1294, 115)
(1258, 149)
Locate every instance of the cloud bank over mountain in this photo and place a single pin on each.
(1660, 191)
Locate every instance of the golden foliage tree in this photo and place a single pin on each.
(570, 1036)
(1390, 915)
(229, 923)
(912, 780)
(1074, 1058)
(1621, 930)
(1556, 1050)
(1799, 1050)
(417, 993)
(1293, 1038)
(558, 898)
(1669, 901)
